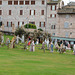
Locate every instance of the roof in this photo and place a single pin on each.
(53, 1)
(66, 11)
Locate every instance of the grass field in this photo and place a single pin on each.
(20, 62)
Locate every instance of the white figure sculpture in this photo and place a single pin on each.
(47, 43)
(22, 39)
(32, 47)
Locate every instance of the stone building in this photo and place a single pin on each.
(66, 23)
(42, 13)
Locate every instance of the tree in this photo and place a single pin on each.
(19, 32)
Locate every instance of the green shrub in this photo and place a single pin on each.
(40, 29)
(31, 26)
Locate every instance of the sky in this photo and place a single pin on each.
(67, 1)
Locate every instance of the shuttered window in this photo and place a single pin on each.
(42, 24)
(32, 2)
(43, 2)
(22, 22)
(26, 2)
(0, 12)
(32, 12)
(9, 12)
(21, 12)
(21, 2)
(0, 2)
(7, 24)
(32, 22)
(53, 27)
(11, 24)
(9, 2)
(15, 2)
(42, 12)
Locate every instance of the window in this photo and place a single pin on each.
(26, 2)
(15, 2)
(53, 7)
(22, 23)
(53, 15)
(32, 2)
(32, 22)
(53, 27)
(32, 12)
(21, 2)
(42, 24)
(0, 12)
(9, 2)
(9, 12)
(66, 34)
(66, 25)
(9, 24)
(0, 2)
(18, 24)
(42, 12)
(21, 12)
(53, 34)
(67, 16)
(43, 2)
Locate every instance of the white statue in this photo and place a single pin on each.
(48, 43)
(32, 47)
(22, 39)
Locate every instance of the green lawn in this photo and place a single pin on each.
(20, 62)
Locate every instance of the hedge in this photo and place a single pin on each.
(31, 26)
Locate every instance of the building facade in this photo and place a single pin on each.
(66, 23)
(42, 13)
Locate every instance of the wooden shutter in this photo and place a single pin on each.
(22, 22)
(9, 2)
(32, 2)
(40, 24)
(9, 12)
(26, 2)
(54, 26)
(0, 2)
(51, 15)
(15, 2)
(44, 24)
(18, 24)
(11, 24)
(51, 7)
(21, 12)
(30, 12)
(34, 12)
(43, 2)
(55, 7)
(21, 2)
(55, 15)
(42, 12)
(0, 12)
(7, 24)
